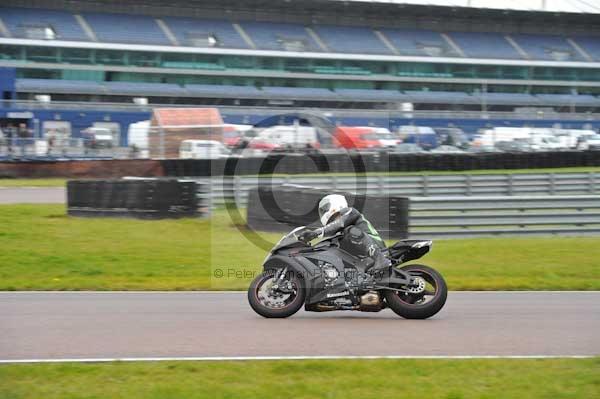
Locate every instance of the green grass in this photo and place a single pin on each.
(43, 249)
(59, 182)
(443, 379)
(42, 182)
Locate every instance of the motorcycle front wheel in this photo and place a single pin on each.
(423, 301)
(272, 303)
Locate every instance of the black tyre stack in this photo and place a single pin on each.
(376, 162)
(145, 199)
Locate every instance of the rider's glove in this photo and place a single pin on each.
(308, 235)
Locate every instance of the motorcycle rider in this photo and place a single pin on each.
(360, 238)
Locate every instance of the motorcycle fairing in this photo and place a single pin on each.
(323, 287)
(312, 271)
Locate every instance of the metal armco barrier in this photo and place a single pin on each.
(146, 199)
(457, 217)
(530, 184)
(507, 215)
(489, 215)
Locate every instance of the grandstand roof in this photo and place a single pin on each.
(559, 16)
(571, 6)
(554, 6)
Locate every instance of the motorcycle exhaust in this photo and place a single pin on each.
(370, 302)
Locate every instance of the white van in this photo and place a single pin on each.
(589, 142)
(98, 137)
(574, 138)
(202, 149)
(283, 136)
(137, 137)
(489, 137)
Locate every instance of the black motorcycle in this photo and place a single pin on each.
(331, 276)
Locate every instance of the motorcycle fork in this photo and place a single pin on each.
(279, 278)
(280, 274)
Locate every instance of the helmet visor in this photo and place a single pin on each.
(324, 208)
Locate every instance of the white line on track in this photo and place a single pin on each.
(260, 358)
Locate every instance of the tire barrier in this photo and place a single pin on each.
(144, 199)
(376, 162)
(298, 164)
(79, 169)
(279, 209)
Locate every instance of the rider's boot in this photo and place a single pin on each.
(381, 263)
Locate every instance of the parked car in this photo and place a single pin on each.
(514, 146)
(452, 136)
(480, 149)
(408, 148)
(447, 149)
(545, 140)
(483, 148)
(589, 142)
(202, 149)
(423, 136)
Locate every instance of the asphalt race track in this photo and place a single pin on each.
(32, 195)
(59, 325)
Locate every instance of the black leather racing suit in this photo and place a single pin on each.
(360, 237)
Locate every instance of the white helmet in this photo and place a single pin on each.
(330, 205)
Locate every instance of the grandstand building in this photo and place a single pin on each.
(354, 58)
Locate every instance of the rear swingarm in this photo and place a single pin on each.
(391, 282)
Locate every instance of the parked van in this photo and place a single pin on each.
(137, 138)
(573, 138)
(423, 136)
(384, 136)
(283, 137)
(98, 137)
(202, 149)
(538, 139)
(543, 139)
(356, 137)
(490, 137)
(568, 138)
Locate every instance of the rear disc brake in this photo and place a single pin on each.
(418, 286)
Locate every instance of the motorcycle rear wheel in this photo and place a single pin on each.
(272, 304)
(419, 305)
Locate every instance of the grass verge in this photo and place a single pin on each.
(48, 182)
(449, 379)
(44, 249)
